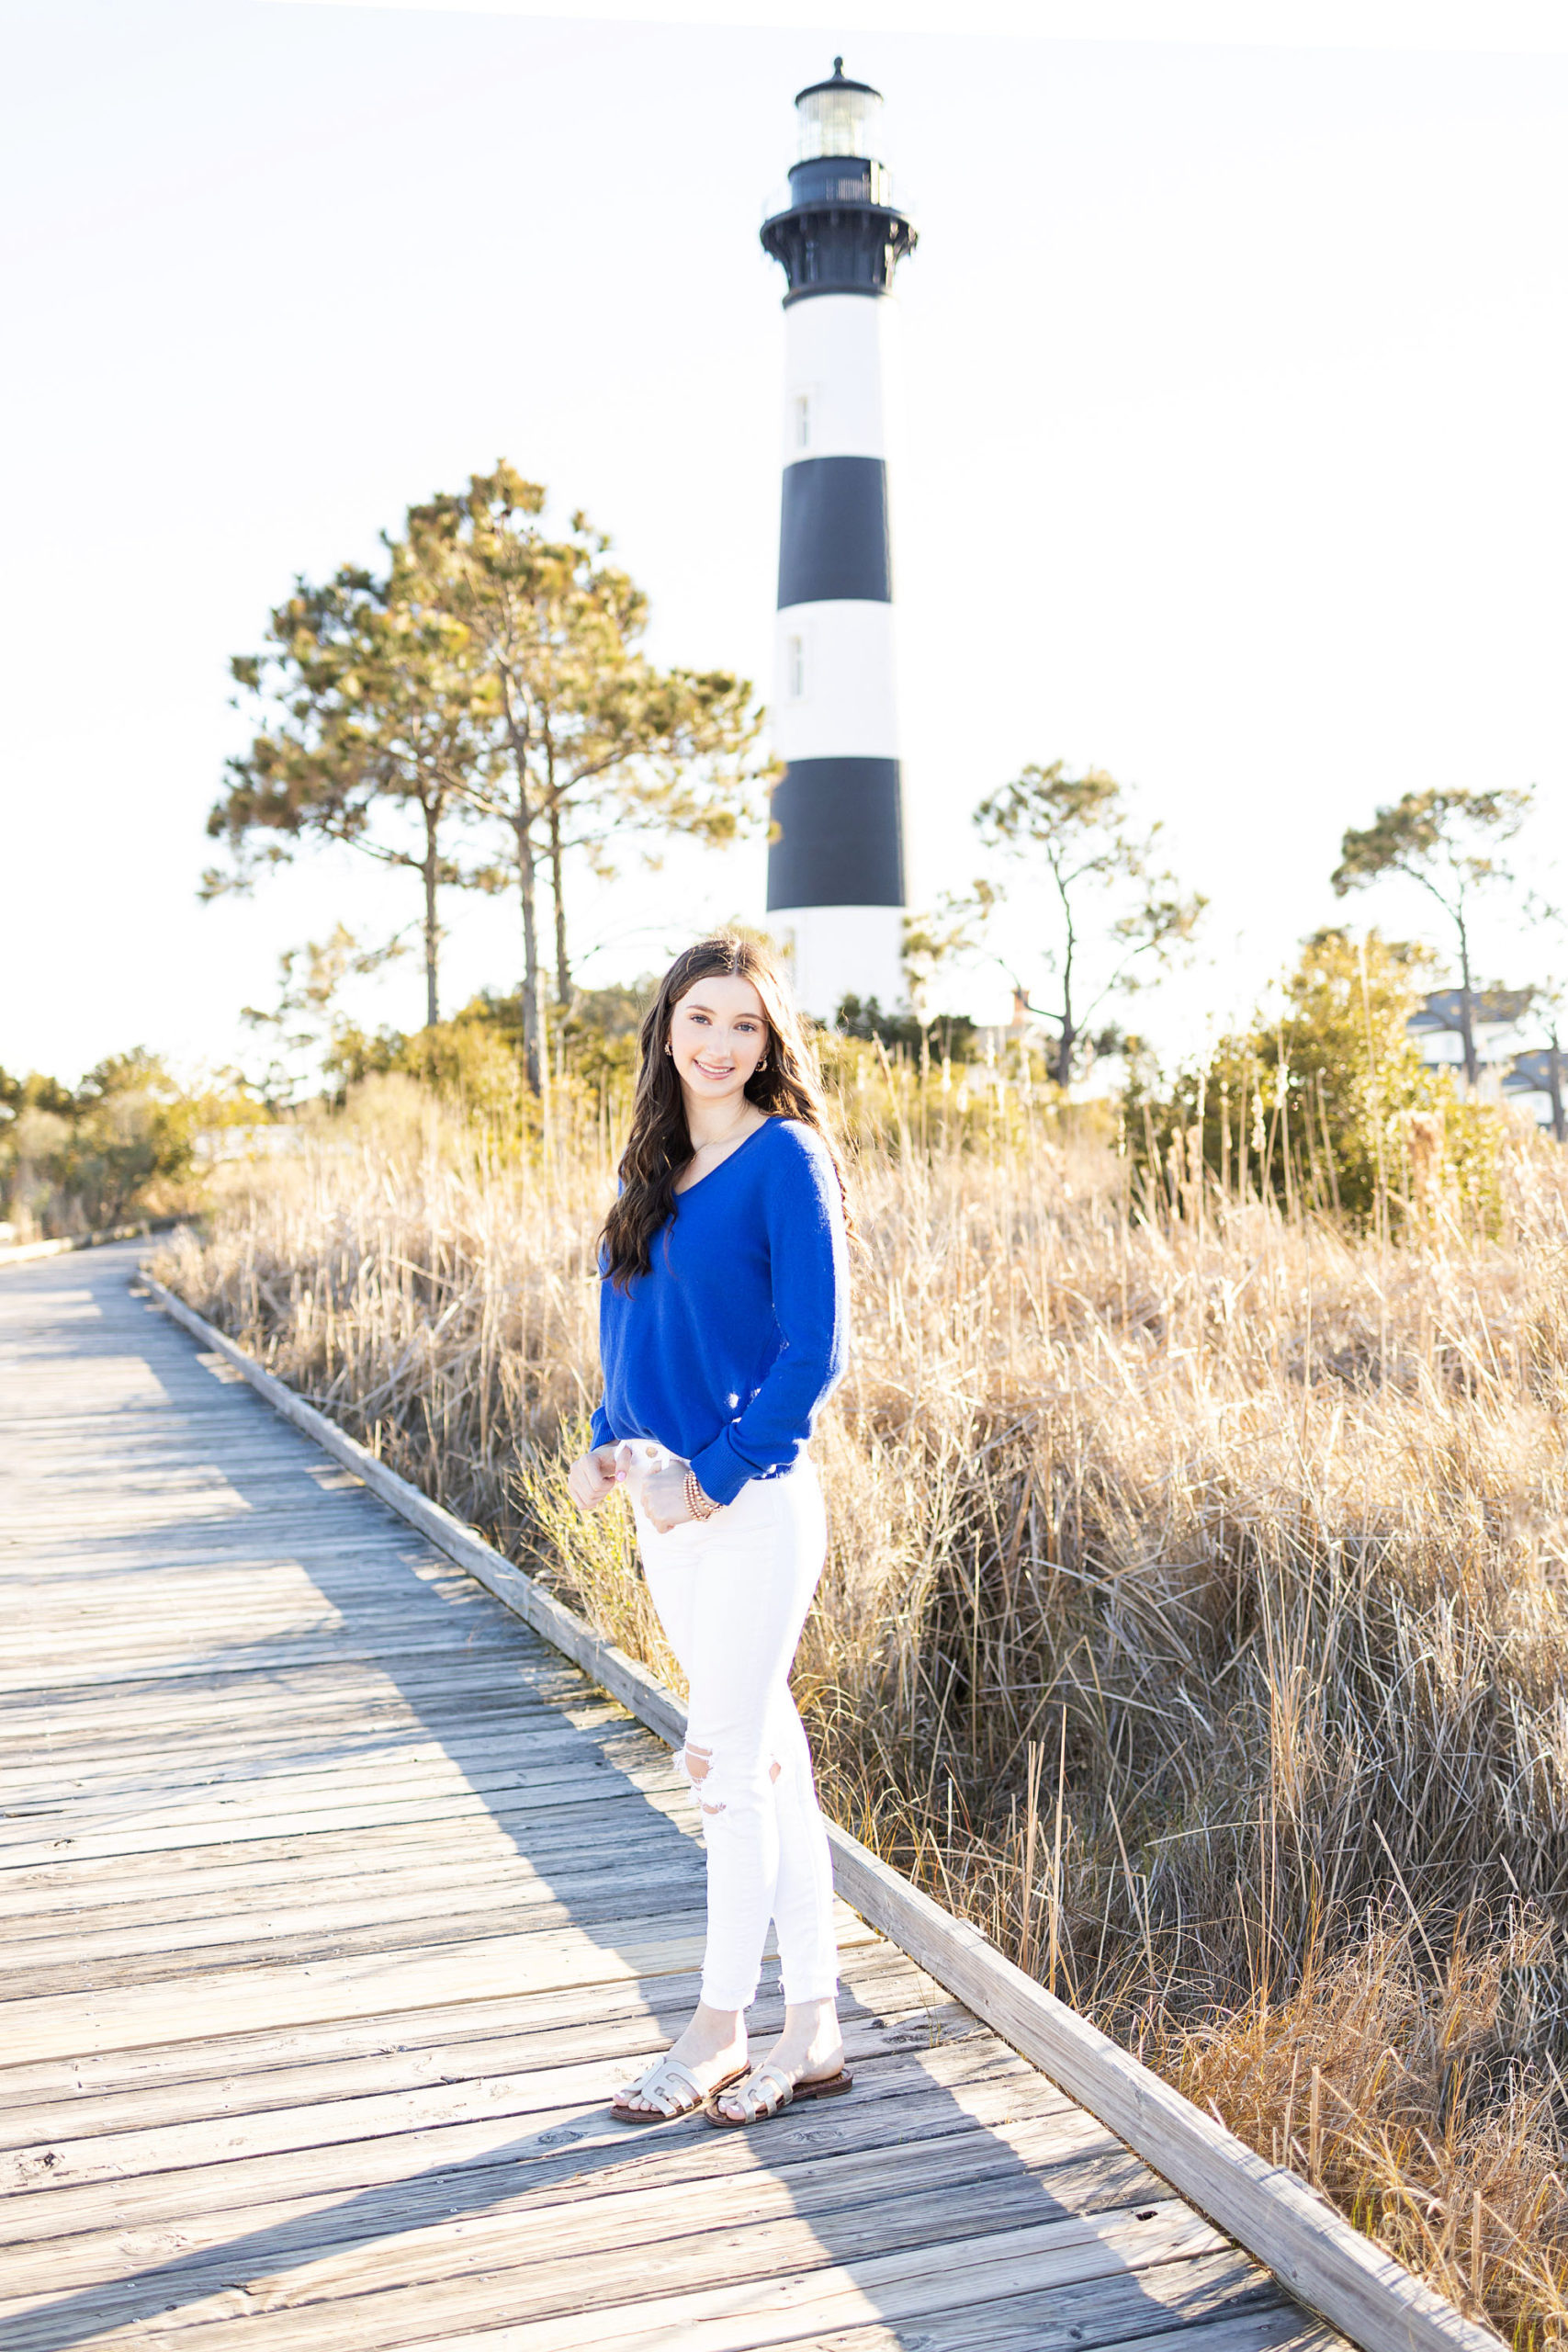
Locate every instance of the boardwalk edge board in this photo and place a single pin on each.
(1348, 2280)
(20, 1253)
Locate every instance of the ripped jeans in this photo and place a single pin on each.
(732, 1593)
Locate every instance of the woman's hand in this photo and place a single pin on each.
(664, 1497)
(595, 1476)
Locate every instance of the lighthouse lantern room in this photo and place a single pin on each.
(836, 891)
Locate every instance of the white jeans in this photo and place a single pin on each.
(732, 1592)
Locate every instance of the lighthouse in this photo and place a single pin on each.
(836, 890)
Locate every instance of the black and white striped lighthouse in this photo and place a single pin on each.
(835, 863)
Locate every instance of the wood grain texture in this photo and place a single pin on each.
(336, 1906)
(610, 1667)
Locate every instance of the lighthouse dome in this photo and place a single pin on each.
(838, 228)
(837, 116)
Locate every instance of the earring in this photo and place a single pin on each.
(669, 1050)
(763, 1063)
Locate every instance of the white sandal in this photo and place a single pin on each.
(776, 2091)
(667, 2079)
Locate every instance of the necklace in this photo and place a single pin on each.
(715, 1141)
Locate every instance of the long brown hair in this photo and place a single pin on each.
(660, 1144)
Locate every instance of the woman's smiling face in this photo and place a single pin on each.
(718, 1034)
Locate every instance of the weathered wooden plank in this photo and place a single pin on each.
(185, 1907)
(472, 1836)
(247, 1549)
(130, 1425)
(289, 1696)
(278, 1594)
(70, 2161)
(908, 2289)
(157, 1759)
(510, 2279)
(392, 1669)
(77, 1738)
(350, 2055)
(619, 1903)
(347, 2166)
(477, 1838)
(553, 1754)
(536, 2032)
(374, 1984)
(507, 1757)
(256, 1658)
(508, 1726)
(271, 2101)
(378, 1984)
(584, 1788)
(246, 1581)
(131, 1499)
(220, 1648)
(25, 1253)
(571, 2304)
(58, 1560)
(886, 2135)
(132, 1537)
(643, 1890)
(183, 1642)
(1072, 2319)
(166, 1930)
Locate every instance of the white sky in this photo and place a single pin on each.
(1237, 380)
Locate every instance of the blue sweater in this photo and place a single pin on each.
(725, 1349)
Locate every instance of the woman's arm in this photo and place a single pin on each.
(594, 1476)
(805, 1214)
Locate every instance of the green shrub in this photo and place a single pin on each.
(1325, 1103)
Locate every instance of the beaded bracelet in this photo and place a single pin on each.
(701, 1506)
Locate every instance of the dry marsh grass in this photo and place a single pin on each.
(1194, 1619)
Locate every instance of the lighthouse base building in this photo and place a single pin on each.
(836, 886)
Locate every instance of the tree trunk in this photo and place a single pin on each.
(533, 1006)
(1067, 1042)
(563, 969)
(431, 869)
(535, 1054)
(1467, 1010)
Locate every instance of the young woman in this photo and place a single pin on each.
(722, 1327)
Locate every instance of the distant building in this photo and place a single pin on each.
(1495, 1019)
(1537, 1085)
(1533, 1078)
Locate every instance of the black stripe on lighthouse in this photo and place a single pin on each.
(839, 835)
(833, 543)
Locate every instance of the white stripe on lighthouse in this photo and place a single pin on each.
(835, 362)
(835, 952)
(834, 698)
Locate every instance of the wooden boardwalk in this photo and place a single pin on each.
(336, 1906)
